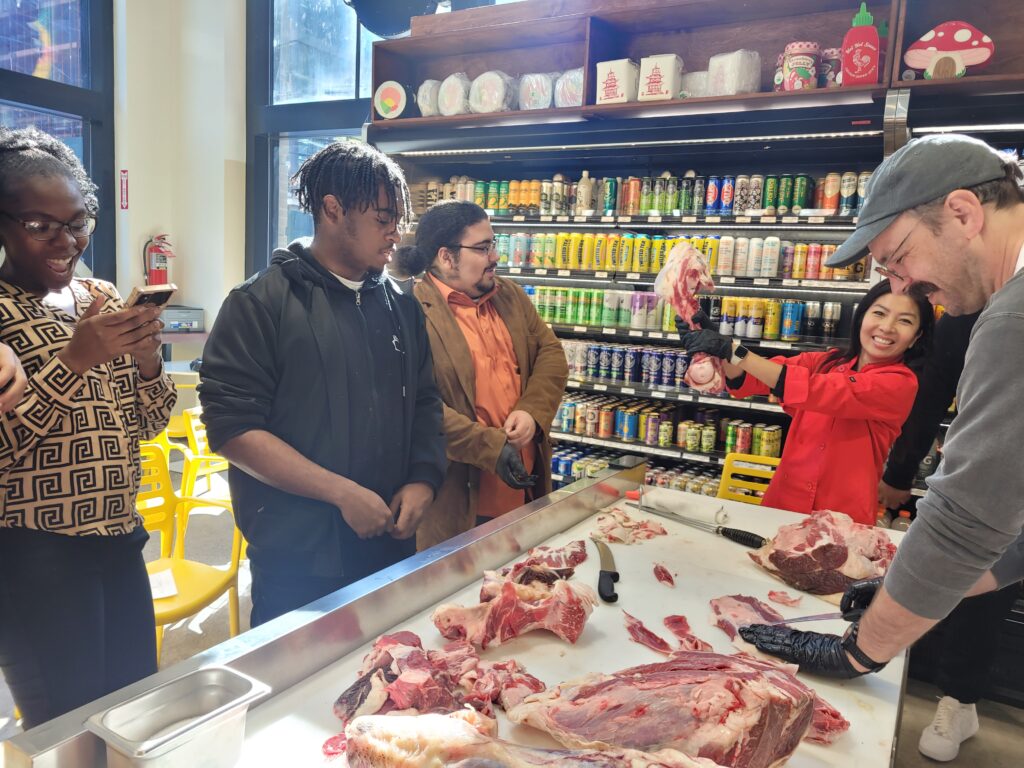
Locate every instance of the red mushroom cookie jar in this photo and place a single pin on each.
(946, 51)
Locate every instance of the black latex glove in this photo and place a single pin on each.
(707, 339)
(511, 470)
(858, 597)
(815, 653)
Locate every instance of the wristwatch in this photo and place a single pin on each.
(738, 353)
(849, 645)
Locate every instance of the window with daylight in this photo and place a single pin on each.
(43, 38)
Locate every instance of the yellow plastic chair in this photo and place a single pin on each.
(176, 425)
(743, 477)
(202, 462)
(165, 512)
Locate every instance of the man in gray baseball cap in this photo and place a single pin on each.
(944, 215)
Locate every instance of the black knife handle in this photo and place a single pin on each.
(746, 538)
(606, 586)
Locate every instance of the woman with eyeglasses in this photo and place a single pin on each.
(76, 611)
(848, 404)
(500, 370)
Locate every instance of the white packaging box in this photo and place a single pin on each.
(733, 73)
(617, 81)
(661, 77)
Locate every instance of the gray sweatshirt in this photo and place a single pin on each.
(972, 517)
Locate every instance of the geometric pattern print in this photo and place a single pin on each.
(69, 453)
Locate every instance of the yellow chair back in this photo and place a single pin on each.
(746, 472)
(157, 501)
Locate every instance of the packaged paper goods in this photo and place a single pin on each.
(537, 90)
(426, 98)
(493, 91)
(453, 96)
(569, 88)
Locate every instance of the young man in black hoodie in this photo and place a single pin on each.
(317, 386)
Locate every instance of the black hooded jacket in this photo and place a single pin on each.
(345, 378)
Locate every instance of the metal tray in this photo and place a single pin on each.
(196, 721)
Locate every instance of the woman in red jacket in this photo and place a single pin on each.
(848, 405)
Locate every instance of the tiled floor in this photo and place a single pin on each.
(999, 744)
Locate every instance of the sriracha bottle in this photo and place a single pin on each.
(861, 50)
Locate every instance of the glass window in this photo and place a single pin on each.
(366, 40)
(314, 50)
(43, 38)
(67, 129)
(290, 153)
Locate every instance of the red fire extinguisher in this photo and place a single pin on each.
(155, 254)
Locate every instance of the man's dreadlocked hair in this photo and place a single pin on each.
(31, 152)
(354, 173)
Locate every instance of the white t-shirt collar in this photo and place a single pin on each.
(1020, 261)
(350, 284)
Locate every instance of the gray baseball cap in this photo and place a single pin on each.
(924, 170)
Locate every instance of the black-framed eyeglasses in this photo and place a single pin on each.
(894, 260)
(484, 248)
(44, 231)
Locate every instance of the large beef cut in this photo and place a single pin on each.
(734, 611)
(732, 710)
(518, 609)
(464, 740)
(685, 274)
(825, 552)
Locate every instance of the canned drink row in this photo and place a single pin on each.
(773, 319)
(636, 310)
(774, 257)
(627, 363)
(704, 483)
(585, 251)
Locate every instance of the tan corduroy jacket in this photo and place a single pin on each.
(473, 446)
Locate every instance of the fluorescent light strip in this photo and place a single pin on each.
(638, 144)
(986, 128)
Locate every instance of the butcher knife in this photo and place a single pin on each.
(851, 615)
(606, 581)
(746, 538)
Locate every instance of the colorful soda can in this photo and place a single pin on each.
(658, 253)
(605, 363)
(536, 258)
(848, 194)
(755, 319)
(862, 188)
(625, 256)
(800, 261)
(618, 361)
(755, 257)
(606, 421)
(710, 250)
(685, 199)
(770, 257)
(813, 261)
(726, 251)
(744, 437)
(741, 195)
(756, 193)
(503, 193)
(772, 319)
(826, 273)
(611, 257)
(786, 257)
(642, 254)
(770, 195)
(611, 193)
(575, 251)
(830, 198)
(668, 367)
(631, 364)
(790, 320)
(699, 196)
(727, 327)
(712, 196)
(682, 366)
(630, 426)
(785, 203)
(593, 361)
(801, 193)
(501, 244)
(550, 249)
(694, 433)
(739, 259)
(600, 251)
(480, 193)
(587, 261)
(655, 358)
(727, 196)
(708, 434)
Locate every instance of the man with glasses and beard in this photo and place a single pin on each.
(317, 386)
(500, 369)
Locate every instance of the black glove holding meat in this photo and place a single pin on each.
(858, 597)
(706, 340)
(511, 470)
(815, 653)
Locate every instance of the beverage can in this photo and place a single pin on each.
(772, 319)
(685, 200)
(756, 439)
(791, 312)
(631, 196)
(770, 195)
(665, 434)
(740, 325)
(801, 193)
(819, 192)
(536, 256)
(610, 196)
(596, 306)
(727, 196)
(658, 196)
(492, 195)
(655, 359)
(611, 254)
(658, 253)
(513, 196)
(646, 195)
(739, 259)
(642, 254)
(682, 366)
(626, 246)
(630, 426)
(562, 250)
(572, 305)
(825, 272)
(480, 193)
(652, 428)
(558, 197)
(671, 194)
(862, 188)
(610, 309)
(848, 194)
(631, 364)
(711, 248)
(567, 418)
(744, 437)
(618, 362)
(600, 250)
(583, 308)
(668, 367)
(830, 198)
(755, 318)
(755, 195)
(519, 248)
(715, 310)
(712, 194)
(726, 251)
(770, 257)
(604, 370)
(786, 258)
(638, 310)
(503, 192)
(593, 419)
(606, 421)
(625, 308)
(699, 196)
(727, 327)
(708, 434)
(501, 244)
(593, 361)
(694, 433)
(812, 322)
(785, 203)
(813, 261)
(755, 257)
(550, 250)
(831, 315)
(587, 260)
(741, 195)
(800, 261)
(575, 251)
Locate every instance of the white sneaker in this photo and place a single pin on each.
(952, 725)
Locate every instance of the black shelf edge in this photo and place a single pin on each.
(624, 334)
(677, 454)
(835, 224)
(671, 394)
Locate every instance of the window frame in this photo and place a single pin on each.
(267, 122)
(94, 106)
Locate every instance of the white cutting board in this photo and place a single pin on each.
(291, 728)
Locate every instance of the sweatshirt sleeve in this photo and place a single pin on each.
(882, 394)
(749, 386)
(427, 461)
(973, 511)
(238, 376)
(937, 384)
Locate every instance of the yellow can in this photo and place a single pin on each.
(550, 250)
(800, 261)
(772, 318)
(642, 254)
(575, 250)
(562, 250)
(826, 273)
(611, 255)
(587, 260)
(600, 250)
(659, 251)
(624, 263)
(710, 251)
(668, 319)
(697, 241)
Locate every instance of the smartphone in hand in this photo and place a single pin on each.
(153, 295)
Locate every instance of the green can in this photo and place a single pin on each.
(730, 437)
(609, 308)
(596, 306)
(540, 301)
(770, 195)
(503, 199)
(480, 193)
(801, 193)
(493, 190)
(572, 306)
(785, 195)
(558, 315)
(757, 437)
(685, 195)
(611, 196)
(583, 308)
(646, 195)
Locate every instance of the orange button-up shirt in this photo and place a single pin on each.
(496, 383)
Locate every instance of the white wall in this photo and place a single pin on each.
(180, 133)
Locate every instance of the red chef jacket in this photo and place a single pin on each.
(844, 422)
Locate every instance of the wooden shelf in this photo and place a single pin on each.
(473, 120)
(971, 84)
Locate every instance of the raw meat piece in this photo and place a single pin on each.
(564, 612)
(680, 627)
(734, 611)
(661, 573)
(735, 711)
(641, 634)
(535, 581)
(616, 527)
(504, 682)
(684, 275)
(825, 552)
(569, 556)
(828, 724)
(461, 740)
(784, 598)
